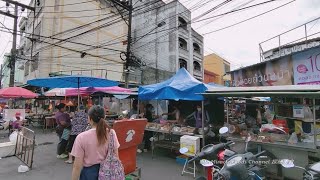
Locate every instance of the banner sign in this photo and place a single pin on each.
(271, 73)
(306, 67)
(298, 69)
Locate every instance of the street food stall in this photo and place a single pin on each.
(182, 86)
(289, 128)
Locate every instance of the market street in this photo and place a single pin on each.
(47, 166)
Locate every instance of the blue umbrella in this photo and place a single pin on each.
(77, 81)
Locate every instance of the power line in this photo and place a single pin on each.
(68, 41)
(240, 5)
(248, 18)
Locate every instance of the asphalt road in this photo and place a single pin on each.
(47, 166)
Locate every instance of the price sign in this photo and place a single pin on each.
(298, 111)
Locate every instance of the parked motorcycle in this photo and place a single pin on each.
(312, 172)
(223, 156)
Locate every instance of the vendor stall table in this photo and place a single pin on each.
(164, 139)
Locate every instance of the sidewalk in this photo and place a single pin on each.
(47, 166)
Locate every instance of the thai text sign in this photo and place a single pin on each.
(301, 68)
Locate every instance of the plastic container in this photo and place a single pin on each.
(181, 159)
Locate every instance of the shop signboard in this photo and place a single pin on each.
(306, 67)
(271, 73)
(298, 69)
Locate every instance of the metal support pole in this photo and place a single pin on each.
(14, 47)
(126, 71)
(279, 46)
(314, 122)
(227, 110)
(203, 117)
(305, 31)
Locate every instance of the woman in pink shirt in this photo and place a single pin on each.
(91, 147)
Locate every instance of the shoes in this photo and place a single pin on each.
(145, 150)
(69, 161)
(62, 156)
(139, 151)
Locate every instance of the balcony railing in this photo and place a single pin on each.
(197, 73)
(184, 52)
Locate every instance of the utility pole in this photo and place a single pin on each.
(128, 54)
(14, 47)
(14, 41)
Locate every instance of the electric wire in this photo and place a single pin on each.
(240, 22)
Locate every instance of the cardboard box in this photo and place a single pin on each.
(192, 143)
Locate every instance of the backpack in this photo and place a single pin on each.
(111, 168)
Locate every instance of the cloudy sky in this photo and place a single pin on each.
(237, 44)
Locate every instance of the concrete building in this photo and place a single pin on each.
(218, 65)
(19, 73)
(164, 40)
(210, 77)
(72, 37)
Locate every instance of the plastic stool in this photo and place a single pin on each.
(186, 167)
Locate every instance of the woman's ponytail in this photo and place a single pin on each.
(96, 113)
(101, 132)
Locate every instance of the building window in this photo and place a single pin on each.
(35, 62)
(182, 23)
(183, 63)
(196, 66)
(196, 48)
(226, 68)
(183, 44)
(26, 68)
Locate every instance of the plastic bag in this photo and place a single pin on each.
(293, 139)
(268, 116)
(13, 137)
(22, 169)
(307, 112)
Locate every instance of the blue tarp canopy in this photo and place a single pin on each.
(182, 86)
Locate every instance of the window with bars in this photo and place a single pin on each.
(226, 68)
(183, 63)
(196, 66)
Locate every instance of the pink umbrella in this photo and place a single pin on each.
(16, 92)
(89, 90)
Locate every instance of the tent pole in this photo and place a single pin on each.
(227, 104)
(203, 117)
